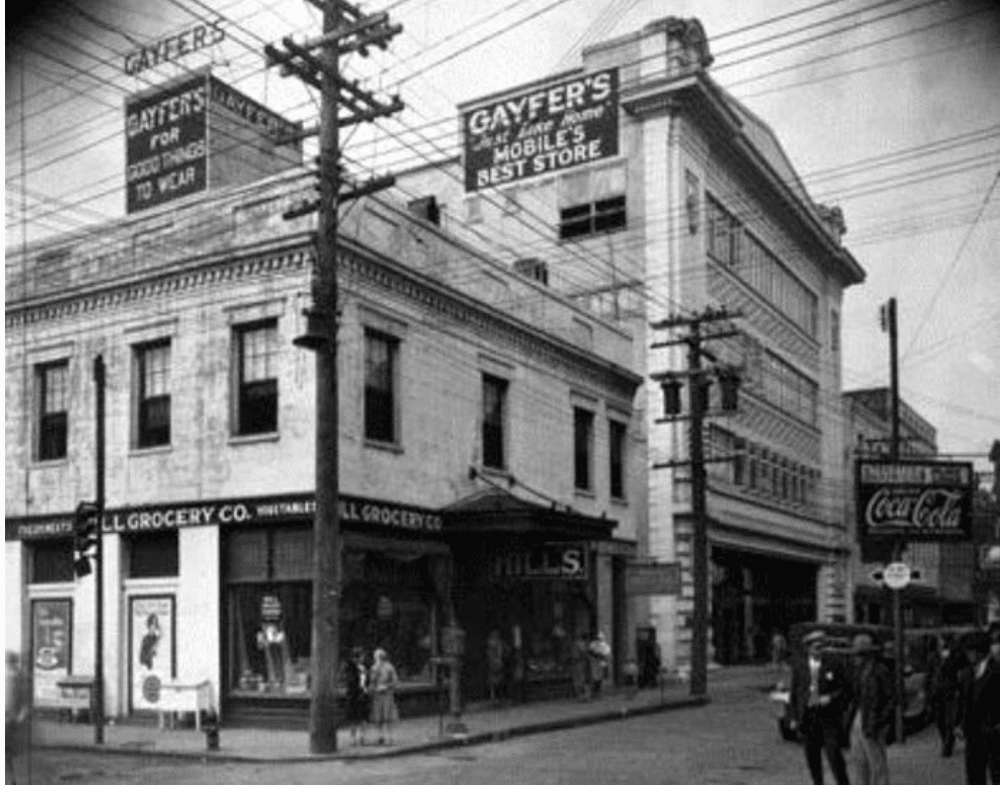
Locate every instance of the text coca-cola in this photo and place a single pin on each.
(933, 509)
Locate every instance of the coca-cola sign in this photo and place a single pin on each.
(914, 500)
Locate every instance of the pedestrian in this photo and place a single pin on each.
(981, 711)
(496, 654)
(357, 706)
(820, 695)
(873, 710)
(382, 682)
(16, 711)
(778, 646)
(599, 655)
(580, 669)
(946, 692)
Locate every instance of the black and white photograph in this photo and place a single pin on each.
(516, 391)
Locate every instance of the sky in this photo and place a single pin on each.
(888, 108)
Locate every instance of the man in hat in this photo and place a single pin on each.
(819, 696)
(873, 712)
(981, 711)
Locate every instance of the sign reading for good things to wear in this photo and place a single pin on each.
(914, 500)
(166, 144)
(540, 131)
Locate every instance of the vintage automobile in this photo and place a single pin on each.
(918, 650)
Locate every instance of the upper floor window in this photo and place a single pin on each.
(52, 381)
(152, 368)
(381, 359)
(616, 457)
(592, 201)
(494, 414)
(256, 348)
(834, 331)
(583, 448)
(722, 234)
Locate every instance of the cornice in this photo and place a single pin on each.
(292, 256)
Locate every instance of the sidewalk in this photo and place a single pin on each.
(418, 734)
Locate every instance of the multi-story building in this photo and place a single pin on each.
(641, 189)
(491, 462)
(943, 594)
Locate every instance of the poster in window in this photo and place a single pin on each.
(152, 654)
(51, 645)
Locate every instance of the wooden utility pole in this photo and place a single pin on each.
(698, 385)
(899, 650)
(345, 29)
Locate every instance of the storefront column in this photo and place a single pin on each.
(198, 601)
(14, 587)
(114, 640)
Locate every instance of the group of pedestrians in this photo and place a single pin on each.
(590, 665)
(835, 706)
(371, 695)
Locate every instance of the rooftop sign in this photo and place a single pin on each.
(914, 500)
(543, 130)
(173, 47)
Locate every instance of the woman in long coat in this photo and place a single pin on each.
(356, 684)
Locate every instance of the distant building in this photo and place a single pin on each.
(647, 190)
(474, 403)
(944, 592)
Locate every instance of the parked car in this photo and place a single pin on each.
(918, 659)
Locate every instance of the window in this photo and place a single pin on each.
(834, 331)
(592, 201)
(739, 461)
(153, 555)
(616, 454)
(380, 382)
(494, 406)
(583, 448)
(723, 233)
(52, 380)
(52, 561)
(153, 394)
(257, 378)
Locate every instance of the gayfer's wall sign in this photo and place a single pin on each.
(173, 47)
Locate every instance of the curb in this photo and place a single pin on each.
(420, 748)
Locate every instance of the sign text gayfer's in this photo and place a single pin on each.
(554, 127)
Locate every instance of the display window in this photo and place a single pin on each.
(388, 600)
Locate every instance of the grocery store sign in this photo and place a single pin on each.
(554, 560)
(355, 512)
(543, 130)
(914, 500)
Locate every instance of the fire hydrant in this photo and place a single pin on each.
(210, 725)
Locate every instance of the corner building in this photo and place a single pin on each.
(467, 404)
(640, 189)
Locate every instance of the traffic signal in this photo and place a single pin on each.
(86, 530)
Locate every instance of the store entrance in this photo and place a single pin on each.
(753, 598)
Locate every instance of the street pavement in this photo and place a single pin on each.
(731, 741)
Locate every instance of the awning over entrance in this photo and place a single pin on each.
(496, 511)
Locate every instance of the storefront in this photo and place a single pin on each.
(539, 579)
(753, 597)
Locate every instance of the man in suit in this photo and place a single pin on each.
(981, 711)
(946, 691)
(873, 713)
(820, 695)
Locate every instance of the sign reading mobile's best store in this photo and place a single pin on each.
(539, 131)
(914, 500)
(166, 144)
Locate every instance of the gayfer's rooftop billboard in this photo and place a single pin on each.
(914, 500)
(541, 130)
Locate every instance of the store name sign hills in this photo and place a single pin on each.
(558, 126)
